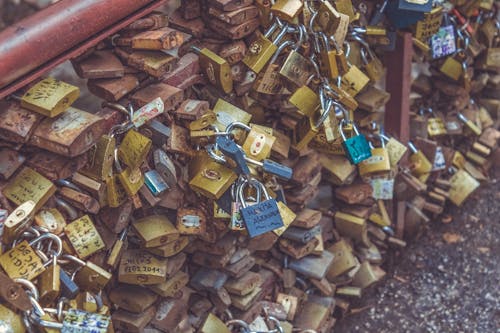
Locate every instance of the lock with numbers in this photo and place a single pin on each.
(141, 267)
(50, 97)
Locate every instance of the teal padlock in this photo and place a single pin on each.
(357, 148)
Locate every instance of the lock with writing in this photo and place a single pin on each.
(296, 69)
(84, 237)
(354, 79)
(395, 149)
(263, 48)
(23, 261)
(378, 164)
(356, 148)
(216, 69)
(50, 97)
(435, 125)
(261, 217)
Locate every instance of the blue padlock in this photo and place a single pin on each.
(261, 217)
(403, 13)
(356, 148)
(273, 168)
(230, 148)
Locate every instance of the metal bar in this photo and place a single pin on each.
(397, 113)
(61, 32)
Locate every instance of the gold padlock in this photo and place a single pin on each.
(18, 221)
(343, 261)
(305, 100)
(155, 230)
(262, 49)
(102, 157)
(287, 10)
(212, 179)
(131, 179)
(92, 278)
(50, 97)
(141, 267)
(462, 185)
(84, 237)
(421, 164)
(134, 149)
(29, 185)
(216, 68)
(377, 164)
(354, 80)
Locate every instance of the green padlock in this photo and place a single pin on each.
(357, 148)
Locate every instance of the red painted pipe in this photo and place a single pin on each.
(54, 30)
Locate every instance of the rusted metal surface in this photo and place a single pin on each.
(60, 32)
(397, 113)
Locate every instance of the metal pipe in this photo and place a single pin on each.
(54, 33)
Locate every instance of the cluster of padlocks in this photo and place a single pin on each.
(238, 177)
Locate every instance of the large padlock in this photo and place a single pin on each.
(261, 217)
(357, 148)
(84, 237)
(155, 230)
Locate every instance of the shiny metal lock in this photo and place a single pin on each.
(212, 179)
(155, 182)
(354, 80)
(134, 149)
(216, 69)
(435, 126)
(263, 48)
(377, 164)
(296, 69)
(29, 185)
(287, 10)
(141, 267)
(18, 221)
(131, 179)
(50, 97)
(452, 66)
(357, 148)
(155, 230)
(84, 237)
(305, 100)
(258, 143)
(49, 283)
(261, 217)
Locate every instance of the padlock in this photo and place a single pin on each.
(462, 186)
(372, 65)
(328, 57)
(421, 165)
(77, 198)
(287, 10)
(165, 167)
(228, 113)
(216, 69)
(141, 267)
(11, 321)
(305, 100)
(96, 188)
(162, 39)
(173, 286)
(50, 97)
(70, 134)
(116, 194)
(191, 221)
(357, 148)
(354, 80)
(130, 179)
(154, 63)
(134, 148)
(84, 237)
(211, 179)
(261, 217)
(377, 164)
(83, 321)
(23, 262)
(296, 69)
(98, 65)
(261, 50)
(51, 219)
(430, 25)
(470, 124)
(258, 143)
(351, 226)
(16, 123)
(327, 18)
(135, 299)
(155, 230)
(18, 221)
(435, 126)
(343, 260)
(453, 65)
(29, 185)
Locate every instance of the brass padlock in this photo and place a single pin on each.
(372, 65)
(155, 230)
(216, 69)
(134, 148)
(18, 221)
(29, 185)
(101, 160)
(262, 49)
(343, 261)
(351, 226)
(287, 10)
(305, 100)
(84, 237)
(421, 164)
(50, 97)
(91, 277)
(131, 179)
(141, 267)
(462, 185)
(378, 164)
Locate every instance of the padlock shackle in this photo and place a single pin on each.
(240, 323)
(412, 147)
(51, 236)
(211, 150)
(237, 124)
(73, 215)
(341, 128)
(116, 162)
(280, 49)
(68, 184)
(27, 284)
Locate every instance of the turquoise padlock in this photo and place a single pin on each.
(357, 148)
